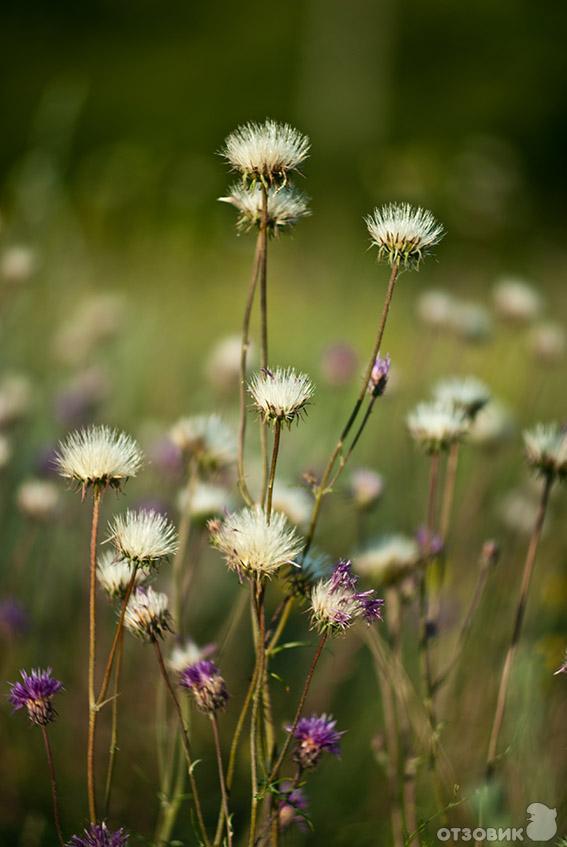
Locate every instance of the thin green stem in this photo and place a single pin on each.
(273, 465)
(280, 760)
(53, 781)
(517, 630)
(323, 487)
(185, 740)
(223, 788)
(113, 748)
(91, 792)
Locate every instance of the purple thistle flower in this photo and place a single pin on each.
(430, 544)
(13, 618)
(292, 807)
(342, 578)
(335, 604)
(98, 835)
(205, 682)
(379, 376)
(35, 693)
(315, 735)
(371, 606)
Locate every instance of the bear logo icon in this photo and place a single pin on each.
(542, 825)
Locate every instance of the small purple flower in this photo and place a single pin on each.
(315, 735)
(98, 835)
(335, 603)
(379, 376)
(208, 687)
(13, 618)
(371, 606)
(430, 543)
(35, 693)
(342, 577)
(292, 807)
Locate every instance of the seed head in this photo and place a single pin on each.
(468, 395)
(143, 537)
(35, 692)
(286, 206)
(38, 499)
(252, 546)
(546, 450)
(366, 487)
(99, 457)
(517, 301)
(147, 615)
(403, 234)
(115, 575)
(265, 152)
(282, 395)
(388, 559)
(435, 426)
(206, 438)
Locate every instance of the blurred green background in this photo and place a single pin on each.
(112, 116)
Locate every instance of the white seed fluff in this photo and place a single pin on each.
(403, 233)
(114, 575)
(143, 537)
(468, 394)
(187, 654)
(207, 438)
(435, 426)
(286, 206)
(546, 449)
(267, 151)
(98, 455)
(387, 559)
(38, 499)
(252, 545)
(147, 615)
(281, 395)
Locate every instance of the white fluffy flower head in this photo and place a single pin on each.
(254, 546)
(286, 206)
(517, 300)
(98, 456)
(114, 575)
(143, 537)
(435, 426)
(388, 559)
(266, 152)
(546, 450)
(281, 395)
(207, 438)
(38, 499)
(468, 394)
(403, 233)
(147, 615)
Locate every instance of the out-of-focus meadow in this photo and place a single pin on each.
(120, 273)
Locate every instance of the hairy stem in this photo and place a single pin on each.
(517, 630)
(224, 792)
(280, 760)
(113, 749)
(272, 477)
(53, 781)
(322, 488)
(92, 657)
(185, 741)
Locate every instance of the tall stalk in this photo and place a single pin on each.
(264, 328)
(222, 782)
(517, 630)
(53, 781)
(273, 465)
(323, 487)
(258, 606)
(91, 792)
(113, 747)
(424, 634)
(185, 741)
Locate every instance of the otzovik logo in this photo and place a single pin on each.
(542, 826)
